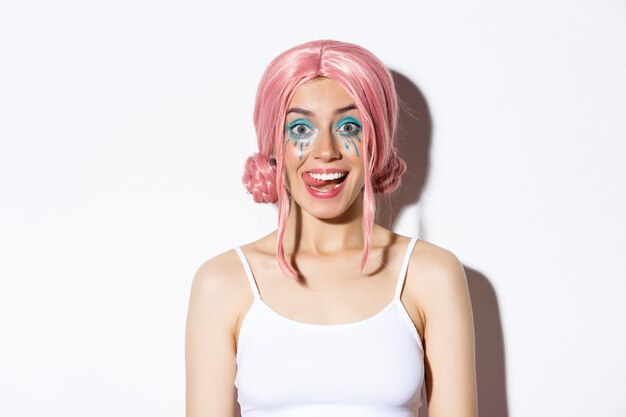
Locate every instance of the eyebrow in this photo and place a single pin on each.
(310, 113)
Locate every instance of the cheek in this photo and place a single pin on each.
(297, 149)
(294, 150)
(291, 163)
(352, 145)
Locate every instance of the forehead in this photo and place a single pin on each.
(321, 95)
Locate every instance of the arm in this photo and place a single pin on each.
(210, 343)
(448, 336)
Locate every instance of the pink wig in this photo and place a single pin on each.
(370, 85)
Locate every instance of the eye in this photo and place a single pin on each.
(349, 127)
(299, 129)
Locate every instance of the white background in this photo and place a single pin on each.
(124, 126)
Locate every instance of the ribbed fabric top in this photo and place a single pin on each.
(369, 368)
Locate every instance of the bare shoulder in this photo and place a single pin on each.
(440, 288)
(437, 276)
(220, 283)
(441, 264)
(218, 273)
(210, 344)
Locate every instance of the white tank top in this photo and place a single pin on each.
(369, 368)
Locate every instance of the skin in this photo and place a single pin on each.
(325, 237)
(325, 150)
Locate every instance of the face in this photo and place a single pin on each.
(323, 149)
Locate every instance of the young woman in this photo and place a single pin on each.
(331, 314)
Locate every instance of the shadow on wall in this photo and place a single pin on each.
(415, 135)
(490, 360)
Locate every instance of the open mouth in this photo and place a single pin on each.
(324, 182)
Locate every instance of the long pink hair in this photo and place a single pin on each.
(370, 85)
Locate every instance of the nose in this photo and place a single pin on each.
(326, 147)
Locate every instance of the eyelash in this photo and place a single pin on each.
(295, 135)
(291, 130)
(356, 131)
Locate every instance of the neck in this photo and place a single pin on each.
(305, 233)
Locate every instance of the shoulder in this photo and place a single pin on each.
(219, 284)
(440, 287)
(218, 273)
(440, 263)
(436, 277)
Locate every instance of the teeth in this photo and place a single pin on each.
(328, 177)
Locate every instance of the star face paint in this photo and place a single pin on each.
(300, 131)
(349, 130)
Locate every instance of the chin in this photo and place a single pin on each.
(337, 210)
(328, 214)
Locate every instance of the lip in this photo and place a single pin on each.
(327, 194)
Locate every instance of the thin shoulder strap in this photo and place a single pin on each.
(405, 265)
(246, 266)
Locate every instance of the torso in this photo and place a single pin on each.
(335, 291)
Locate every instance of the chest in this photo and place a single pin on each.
(376, 361)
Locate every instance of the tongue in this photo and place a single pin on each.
(327, 185)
